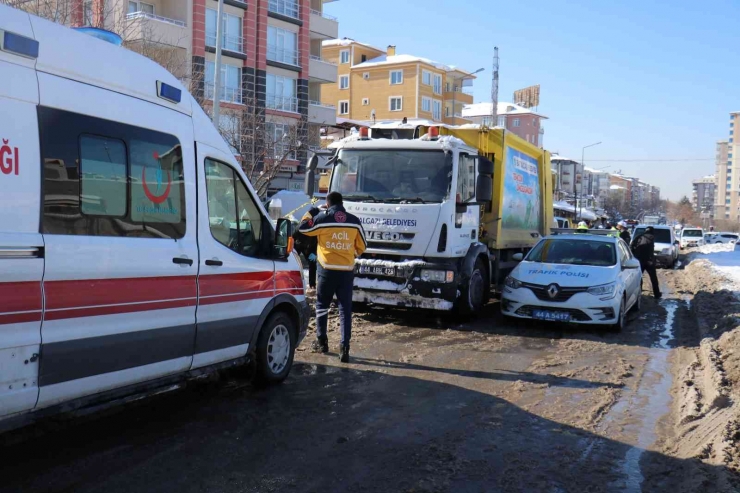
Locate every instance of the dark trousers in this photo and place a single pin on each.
(330, 283)
(312, 274)
(649, 267)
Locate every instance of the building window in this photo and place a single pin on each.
(396, 77)
(732, 132)
(344, 56)
(344, 107)
(502, 121)
(344, 82)
(516, 122)
(231, 77)
(134, 7)
(282, 46)
(231, 38)
(395, 103)
(426, 77)
(426, 104)
(732, 124)
(281, 93)
(230, 127)
(436, 109)
(231, 209)
(365, 101)
(285, 7)
(447, 111)
(281, 136)
(437, 86)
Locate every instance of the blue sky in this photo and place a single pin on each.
(650, 79)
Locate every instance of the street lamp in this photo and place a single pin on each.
(454, 80)
(583, 165)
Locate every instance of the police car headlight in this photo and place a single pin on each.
(437, 275)
(605, 290)
(512, 283)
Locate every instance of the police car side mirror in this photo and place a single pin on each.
(517, 257)
(283, 238)
(632, 263)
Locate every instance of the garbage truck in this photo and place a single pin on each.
(444, 211)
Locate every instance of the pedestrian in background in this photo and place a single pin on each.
(624, 232)
(644, 250)
(341, 238)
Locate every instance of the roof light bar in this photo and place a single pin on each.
(168, 92)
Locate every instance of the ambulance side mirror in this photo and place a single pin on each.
(283, 238)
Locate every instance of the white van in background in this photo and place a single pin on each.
(692, 237)
(133, 250)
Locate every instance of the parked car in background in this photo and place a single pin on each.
(723, 238)
(692, 237)
(709, 238)
(563, 222)
(579, 278)
(666, 244)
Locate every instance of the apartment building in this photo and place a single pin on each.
(725, 205)
(703, 195)
(596, 183)
(272, 66)
(375, 84)
(569, 179)
(522, 121)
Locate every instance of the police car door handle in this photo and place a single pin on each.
(182, 261)
(214, 262)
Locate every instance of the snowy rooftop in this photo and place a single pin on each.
(347, 42)
(558, 157)
(396, 59)
(503, 108)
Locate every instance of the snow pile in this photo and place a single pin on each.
(724, 259)
(380, 284)
(716, 248)
(406, 264)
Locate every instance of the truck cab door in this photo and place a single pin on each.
(21, 245)
(237, 275)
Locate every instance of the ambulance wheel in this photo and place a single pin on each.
(275, 350)
(473, 293)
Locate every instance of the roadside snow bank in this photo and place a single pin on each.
(715, 248)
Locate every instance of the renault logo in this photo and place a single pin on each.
(552, 290)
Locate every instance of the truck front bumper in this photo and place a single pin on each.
(407, 289)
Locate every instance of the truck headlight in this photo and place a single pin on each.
(430, 275)
(605, 290)
(512, 283)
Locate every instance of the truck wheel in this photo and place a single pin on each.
(473, 293)
(275, 350)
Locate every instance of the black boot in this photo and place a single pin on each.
(344, 354)
(320, 346)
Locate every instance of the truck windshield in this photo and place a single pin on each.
(574, 252)
(393, 176)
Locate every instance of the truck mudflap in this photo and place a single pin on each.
(406, 288)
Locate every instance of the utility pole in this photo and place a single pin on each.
(217, 66)
(583, 166)
(494, 89)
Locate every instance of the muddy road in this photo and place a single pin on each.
(428, 404)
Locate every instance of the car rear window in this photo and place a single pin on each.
(574, 252)
(660, 235)
(693, 233)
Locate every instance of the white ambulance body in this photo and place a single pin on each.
(133, 250)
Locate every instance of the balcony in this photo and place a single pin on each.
(228, 43)
(461, 97)
(281, 103)
(323, 114)
(228, 94)
(286, 56)
(143, 26)
(321, 70)
(323, 26)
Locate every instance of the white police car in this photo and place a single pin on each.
(579, 278)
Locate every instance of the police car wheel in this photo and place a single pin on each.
(275, 350)
(638, 303)
(619, 325)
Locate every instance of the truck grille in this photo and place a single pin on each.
(577, 315)
(564, 294)
(390, 240)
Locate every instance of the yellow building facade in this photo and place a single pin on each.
(382, 85)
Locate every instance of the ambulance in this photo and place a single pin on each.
(134, 252)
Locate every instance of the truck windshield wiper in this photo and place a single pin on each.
(407, 200)
(361, 198)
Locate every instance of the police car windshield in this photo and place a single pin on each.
(574, 252)
(393, 176)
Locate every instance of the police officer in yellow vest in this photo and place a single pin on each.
(341, 238)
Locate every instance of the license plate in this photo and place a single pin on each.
(378, 271)
(548, 315)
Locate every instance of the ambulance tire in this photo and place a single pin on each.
(473, 292)
(275, 350)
